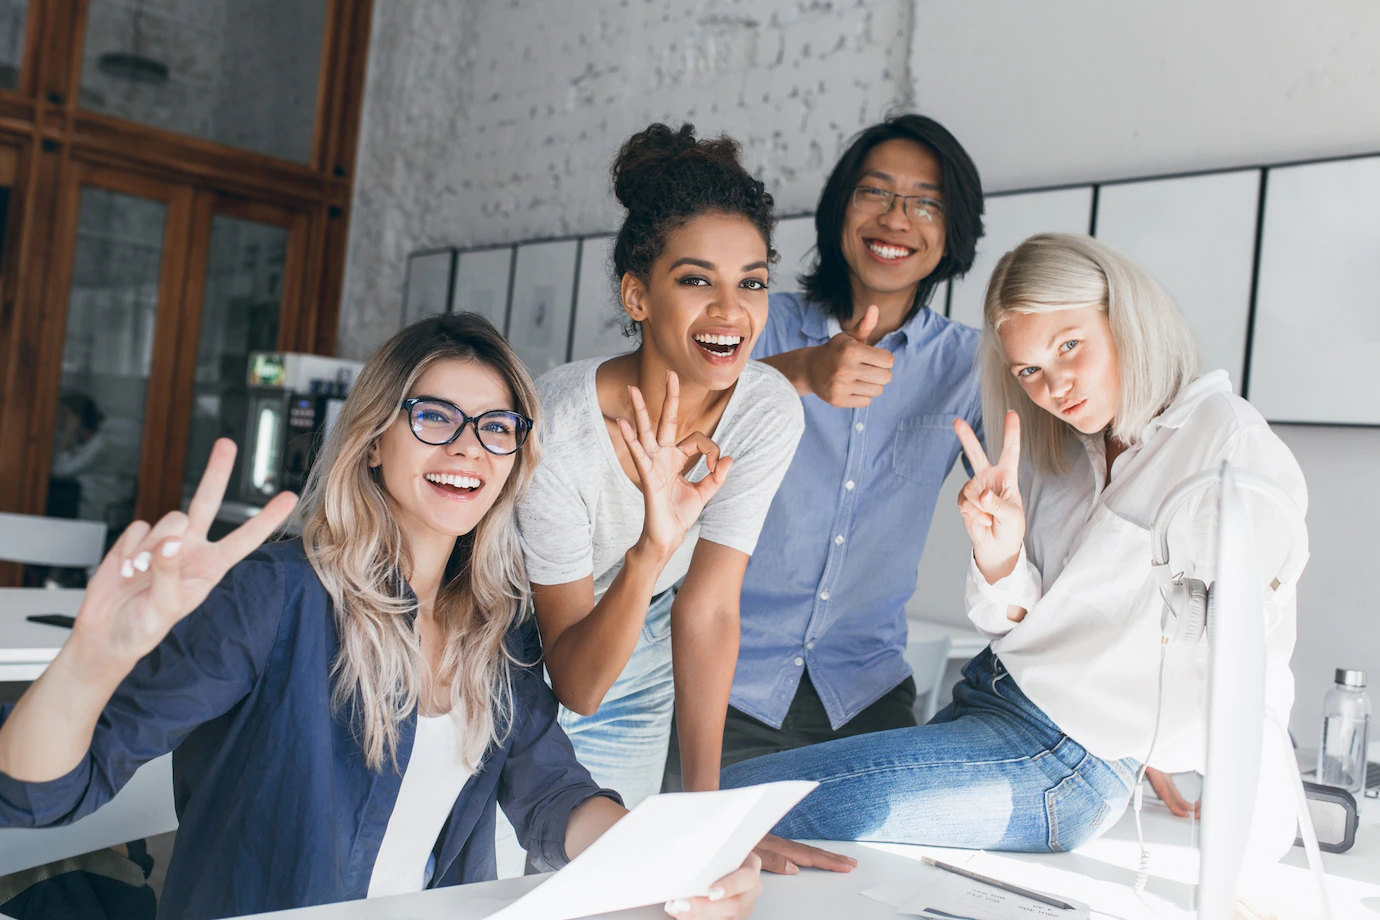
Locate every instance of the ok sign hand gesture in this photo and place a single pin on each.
(672, 502)
(153, 577)
(991, 501)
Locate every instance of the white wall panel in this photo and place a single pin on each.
(1009, 220)
(1196, 236)
(1317, 315)
(481, 283)
(598, 323)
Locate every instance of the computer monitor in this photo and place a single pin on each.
(1236, 705)
(1237, 716)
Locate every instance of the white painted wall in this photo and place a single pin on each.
(493, 122)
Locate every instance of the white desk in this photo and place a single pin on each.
(964, 641)
(27, 648)
(1099, 872)
(143, 808)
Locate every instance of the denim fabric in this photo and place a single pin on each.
(623, 745)
(827, 586)
(990, 771)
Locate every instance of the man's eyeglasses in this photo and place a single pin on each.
(872, 200)
(437, 422)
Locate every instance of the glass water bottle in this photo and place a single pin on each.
(1345, 733)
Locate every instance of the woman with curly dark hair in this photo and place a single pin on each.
(635, 531)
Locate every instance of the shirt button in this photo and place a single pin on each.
(809, 646)
(859, 426)
(838, 541)
(849, 485)
(799, 662)
(824, 595)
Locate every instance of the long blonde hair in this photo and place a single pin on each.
(1157, 354)
(351, 535)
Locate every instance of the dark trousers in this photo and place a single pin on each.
(806, 723)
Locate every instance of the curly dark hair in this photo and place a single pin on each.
(666, 177)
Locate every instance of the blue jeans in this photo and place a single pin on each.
(989, 771)
(623, 744)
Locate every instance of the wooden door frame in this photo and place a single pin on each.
(178, 199)
(206, 207)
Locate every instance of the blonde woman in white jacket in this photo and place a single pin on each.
(1096, 374)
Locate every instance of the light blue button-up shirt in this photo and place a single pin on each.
(836, 561)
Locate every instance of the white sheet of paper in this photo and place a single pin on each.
(959, 897)
(670, 846)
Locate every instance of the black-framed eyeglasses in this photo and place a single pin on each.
(438, 422)
(872, 200)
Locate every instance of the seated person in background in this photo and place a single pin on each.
(346, 709)
(881, 376)
(1096, 374)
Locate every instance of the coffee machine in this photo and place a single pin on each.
(293, 401)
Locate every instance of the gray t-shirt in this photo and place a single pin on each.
(582, 512)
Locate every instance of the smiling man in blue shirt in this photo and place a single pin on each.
(881, 377)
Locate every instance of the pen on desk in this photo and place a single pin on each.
(1005, 886)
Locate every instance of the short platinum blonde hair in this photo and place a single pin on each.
(1157, 354)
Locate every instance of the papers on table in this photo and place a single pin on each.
(669, 846)
(938, 895)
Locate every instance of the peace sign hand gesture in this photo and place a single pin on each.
(991, 501)
(672, 502)
(153, 577)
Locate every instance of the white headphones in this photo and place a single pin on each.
(1188, 601)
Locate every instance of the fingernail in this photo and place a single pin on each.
(170, 548)
(126, 569)
(716, 894)
(678, 906)
(141, 561)
(792, 868)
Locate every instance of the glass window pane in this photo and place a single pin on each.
(14, 15)
(242, 73)
(105, 361)
(239, 314)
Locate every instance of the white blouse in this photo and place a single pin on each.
(436, 772)
(1088, 650)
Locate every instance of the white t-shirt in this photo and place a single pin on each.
(1088, 650)
(582, 512)
(436, 772)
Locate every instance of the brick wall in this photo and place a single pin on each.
(491, 122)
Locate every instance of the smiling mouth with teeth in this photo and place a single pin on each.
(453, 482)
(719, 345)
(888, 251)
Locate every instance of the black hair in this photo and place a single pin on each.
(830, 283)
(84, 408)
(666, 177)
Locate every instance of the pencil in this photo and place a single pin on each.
(1005, 886)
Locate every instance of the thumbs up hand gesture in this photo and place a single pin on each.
(848, 372)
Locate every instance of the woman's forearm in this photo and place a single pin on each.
(587, 657)
(706, 655)
(49, 731)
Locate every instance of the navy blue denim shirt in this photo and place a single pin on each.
(277, 807)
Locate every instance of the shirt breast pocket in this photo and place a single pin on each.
(923, 448)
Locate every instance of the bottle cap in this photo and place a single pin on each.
(1348, 677)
